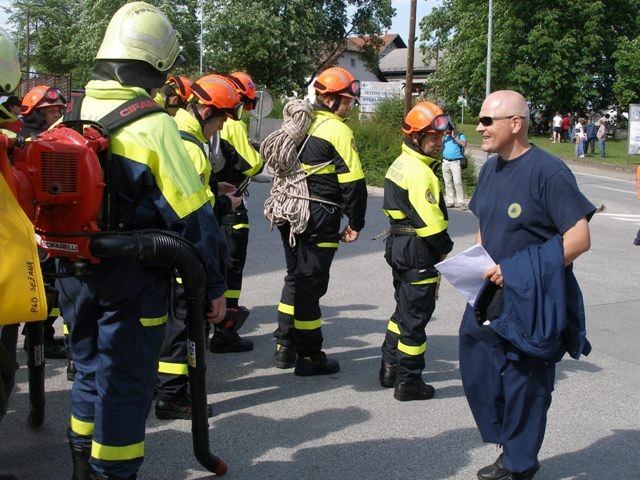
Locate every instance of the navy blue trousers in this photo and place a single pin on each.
(116, 316)
(509, 397)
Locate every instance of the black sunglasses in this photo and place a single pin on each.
(488, 121)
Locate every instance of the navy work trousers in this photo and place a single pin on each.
(116, 315)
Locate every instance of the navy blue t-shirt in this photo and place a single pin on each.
(526, 201)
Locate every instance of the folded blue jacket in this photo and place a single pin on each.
(543, 311)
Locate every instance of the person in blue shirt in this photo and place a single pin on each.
(524, 197)
(452, 154)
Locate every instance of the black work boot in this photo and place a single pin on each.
(53, 349)
(387, 375)
(225, 341)
(496, 471)
(285, 356)
(413, 390)
(80, 455)
(178, 408)
(71, 370)
(317, 364)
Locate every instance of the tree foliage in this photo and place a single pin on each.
(282, 43)
(558, 53)
(64, 35)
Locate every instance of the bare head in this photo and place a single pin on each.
(504, 123)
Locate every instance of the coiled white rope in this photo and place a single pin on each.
(288, 201)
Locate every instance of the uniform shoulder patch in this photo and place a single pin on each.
(430, 197)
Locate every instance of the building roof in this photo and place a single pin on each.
(395, 62)
(356, 43)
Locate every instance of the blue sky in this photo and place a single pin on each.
(400, 23)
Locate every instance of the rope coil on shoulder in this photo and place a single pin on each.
(288, 201)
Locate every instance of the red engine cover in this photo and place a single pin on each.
(65, 189)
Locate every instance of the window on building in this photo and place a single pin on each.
(353, 63)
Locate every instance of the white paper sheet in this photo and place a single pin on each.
(465, 271)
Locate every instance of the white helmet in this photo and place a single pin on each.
(9, 64)
(140, 31)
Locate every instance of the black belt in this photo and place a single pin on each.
(452, 159)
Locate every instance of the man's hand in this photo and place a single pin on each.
(495, 275)
(225, 188)
(235, 201)
(349, 235)
(217, 310)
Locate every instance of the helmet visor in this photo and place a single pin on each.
(351, 90)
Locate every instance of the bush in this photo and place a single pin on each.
(378, 146)
(390, 112)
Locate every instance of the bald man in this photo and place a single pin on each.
(529, 207)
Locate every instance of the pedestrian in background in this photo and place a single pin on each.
(529, 208)
(592, 135)
(602, 136)
(454, 144)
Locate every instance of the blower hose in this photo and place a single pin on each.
(177, 252)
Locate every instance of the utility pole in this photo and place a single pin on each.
(408, 86)
(201, 22)
(28, 47)
(489, 36)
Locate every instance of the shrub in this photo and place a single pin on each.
(390, 112)
(378, 146)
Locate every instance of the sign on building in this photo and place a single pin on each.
(634, 129)
(372, 92)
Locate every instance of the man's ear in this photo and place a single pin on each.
(204, 111)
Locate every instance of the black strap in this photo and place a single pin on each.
(126, 113)
(190, 138)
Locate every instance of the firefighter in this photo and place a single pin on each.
(337, 187)
(238, 161)
(213, 103)
(117, 309)
(42, 106)
(174, 94)
(418, 239)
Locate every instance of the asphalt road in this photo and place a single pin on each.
(270, 424)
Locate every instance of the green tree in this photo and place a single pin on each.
(558, 53)
(282, 43)
(64, 36)
(627, 64)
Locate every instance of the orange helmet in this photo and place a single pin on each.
(181, 85)
(41, 97)
(220, 93)
(336, 80)
(246, 89)
(425, 117)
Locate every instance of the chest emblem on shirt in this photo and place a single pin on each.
(430, 197)
(514, 210)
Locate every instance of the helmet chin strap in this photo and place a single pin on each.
(336, 104)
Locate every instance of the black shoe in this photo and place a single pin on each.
(225, 341)
(71, 370)
(177, 409)
(413, 390)
(387, 375)
(496, 471)
(317, 364)
(53, 350)
(80, 455)
(285, 356)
